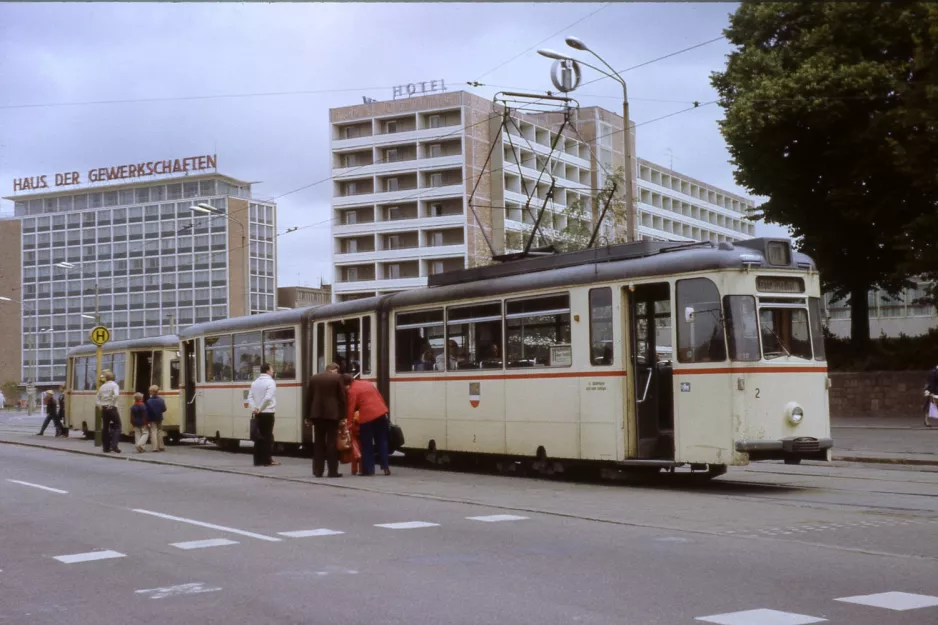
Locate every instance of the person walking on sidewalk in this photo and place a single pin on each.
(156, 406)
(327, 403)
(110, 418)
(52, 414)
(262, 399)
(62, 410)
(138, 418)
(931, 391)
(374, 424)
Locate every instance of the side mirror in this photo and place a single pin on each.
(689, 314)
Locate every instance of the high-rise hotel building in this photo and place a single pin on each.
(136, 256)
(404, 171)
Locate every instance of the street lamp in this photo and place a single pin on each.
(202, 207)
(577, 44)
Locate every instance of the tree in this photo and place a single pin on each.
(582, 215)
(824, 107)
(11, 392)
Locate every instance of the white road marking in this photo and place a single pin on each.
(209, 525)
(172, 591)
(760, 617)
(201, 544)
(898, 601)
(90, 556)
(494, 518)
(407, 525)
(307, 533)
(40, 486)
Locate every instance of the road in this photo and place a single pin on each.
(134, 542)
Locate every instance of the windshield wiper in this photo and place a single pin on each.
(778, 339)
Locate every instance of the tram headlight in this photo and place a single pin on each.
(794, 412)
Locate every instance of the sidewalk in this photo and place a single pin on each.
(883, 441)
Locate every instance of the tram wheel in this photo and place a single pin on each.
(715, 470)
(792, 460)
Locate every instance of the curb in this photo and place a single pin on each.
(899, 461)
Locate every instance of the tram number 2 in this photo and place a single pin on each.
(757, 393)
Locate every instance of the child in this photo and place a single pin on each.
(138, 417)
(352, 454)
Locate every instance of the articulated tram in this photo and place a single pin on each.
(137, 364)
(649, 354)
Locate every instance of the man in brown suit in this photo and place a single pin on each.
(327, 405)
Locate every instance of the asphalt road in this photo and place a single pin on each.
(193, 546)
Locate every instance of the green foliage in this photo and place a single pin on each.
(11, 392)
(901, 353)
(580, 217)
(832, 113)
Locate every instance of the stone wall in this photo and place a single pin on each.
(877, 393)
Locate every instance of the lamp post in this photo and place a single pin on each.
(211, 210)
(631, 227)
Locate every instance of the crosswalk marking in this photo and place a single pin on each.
(760, 617)
(221, 528)
(494, 518)
(307, 533)
(90, 556)
(407, 525)
(898, 601)
(201, 544)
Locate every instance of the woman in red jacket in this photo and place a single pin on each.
(373, 424)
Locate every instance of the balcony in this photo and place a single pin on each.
(424, 193)
(418, 164)
(408, 136)
(379, 285)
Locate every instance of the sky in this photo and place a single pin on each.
(223, 78)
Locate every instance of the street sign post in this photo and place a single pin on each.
(99, 336)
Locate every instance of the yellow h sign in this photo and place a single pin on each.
(100, 335)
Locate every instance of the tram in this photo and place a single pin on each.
(137, 364)
(651, 354)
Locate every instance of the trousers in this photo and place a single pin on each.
(374, 436)
(110, 428)
(264, 446)
(56, 420)
(324, 446)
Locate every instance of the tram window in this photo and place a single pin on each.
(247, 355)
(419, 341)
(91, 370)
(346, 347)
(218, 358)
(117, 367)
(78, 374)
(537, 332)
(742, 329)
(474, 337)
(817, 333)
(174, 374)
(601, 328)
(785, 332)
(320, 347)
(700, 336)
(280, 352)
(366, 345)
(156, 372)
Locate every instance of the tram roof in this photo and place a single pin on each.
(247, 322)
(151, 342)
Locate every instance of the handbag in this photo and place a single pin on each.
(343, 441)
(395, 438)
(255, 430)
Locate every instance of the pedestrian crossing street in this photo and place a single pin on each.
(892, 601)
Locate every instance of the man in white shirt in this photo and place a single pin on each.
(110, 418)
(262, 399)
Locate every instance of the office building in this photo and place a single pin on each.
(302, 296)
(890, 315)
(404, 171)
(134, 255)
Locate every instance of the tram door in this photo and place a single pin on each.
(189, 373)
(147, 371)
(650, 308)
(351, 345)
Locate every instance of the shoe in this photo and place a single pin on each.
(139, 449)
(40, 434)
(116, 450)
(387, 471)
(334, 475)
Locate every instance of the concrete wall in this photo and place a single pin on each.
(877, 393)
(11, 335)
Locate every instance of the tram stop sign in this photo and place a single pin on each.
(100, 335)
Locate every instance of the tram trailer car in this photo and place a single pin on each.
(137, 364)
(651, 354)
